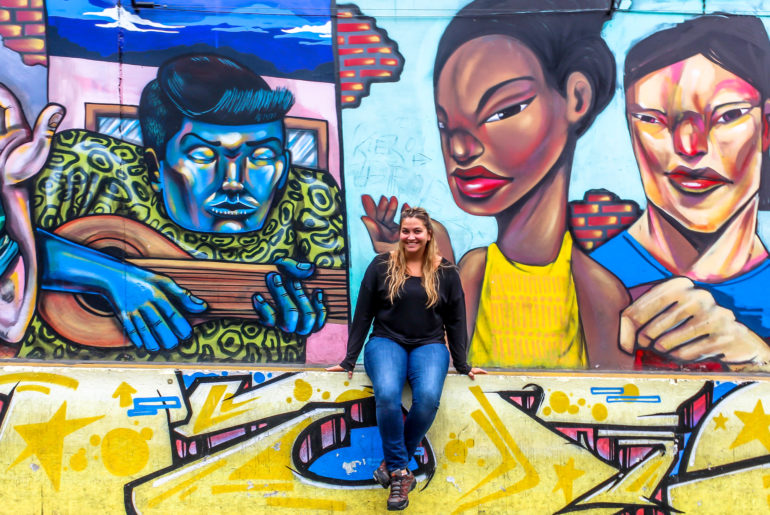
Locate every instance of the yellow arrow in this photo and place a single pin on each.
(124, 391)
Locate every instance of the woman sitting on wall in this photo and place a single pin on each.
(516, 83)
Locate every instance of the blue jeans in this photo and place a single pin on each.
(389, 366)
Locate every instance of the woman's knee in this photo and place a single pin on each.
(426, 400)
(388, 397)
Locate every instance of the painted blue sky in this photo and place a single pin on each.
(294, 40)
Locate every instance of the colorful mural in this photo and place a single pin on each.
(185, 184)
(159, 441)
(567, 260)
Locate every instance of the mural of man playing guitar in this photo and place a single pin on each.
(214, 182)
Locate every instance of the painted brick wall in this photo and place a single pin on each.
(22, 27)
(600, 216)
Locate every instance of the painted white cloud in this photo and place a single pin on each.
(129, 21)
(323, 31)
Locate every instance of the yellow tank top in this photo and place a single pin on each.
(528, 315)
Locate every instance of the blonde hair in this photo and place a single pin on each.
(397, 271)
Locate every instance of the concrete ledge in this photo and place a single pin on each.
(167, 439)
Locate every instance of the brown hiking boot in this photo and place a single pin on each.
(381, 475)
(401, 483)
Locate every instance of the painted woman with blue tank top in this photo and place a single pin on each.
(698, 111)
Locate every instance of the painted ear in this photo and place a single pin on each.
(766, 125)
(580, 95)
(153, 168)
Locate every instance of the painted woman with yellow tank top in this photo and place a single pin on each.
(512, 94)
(528, 315)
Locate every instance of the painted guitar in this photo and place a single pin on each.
(227, 287)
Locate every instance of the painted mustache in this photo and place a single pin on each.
(696, 181)
(478, 182)
(237, 206)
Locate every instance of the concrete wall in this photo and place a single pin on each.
(623, 180)
(160, 440)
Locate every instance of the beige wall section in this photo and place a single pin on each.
(140, 440)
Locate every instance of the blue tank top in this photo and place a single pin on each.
(746, 295)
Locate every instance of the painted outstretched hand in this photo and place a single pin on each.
(380, 222)
(294, 311)
(684, 323)
(23, 152)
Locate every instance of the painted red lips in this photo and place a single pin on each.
(478, 182)
(698, 181)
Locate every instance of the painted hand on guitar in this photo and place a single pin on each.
(683, 322)
(150, 307)
(294, 311)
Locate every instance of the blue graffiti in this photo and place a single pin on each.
(144, 406)
(596, 390)
(616, 394)
(189, 378)
(634, 398)
(356, 462)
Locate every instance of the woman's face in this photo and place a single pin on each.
(697, 133)
(502, 126)
(414, 235)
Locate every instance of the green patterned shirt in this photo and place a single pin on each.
(93, 174)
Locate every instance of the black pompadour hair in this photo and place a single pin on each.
(209, 88)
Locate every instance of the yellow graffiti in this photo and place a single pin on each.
(354, 395)
(124, 452)
(45, 440)
(307, 504)
(559, 402)
(567, 475)
(766, 484)
(302, 390)
(648, 478)
(206, 418)
(509, 450)
(187, 493)
(183, 485)
(40, 377)
(719, 422)
(631, 389)
(756, 426)
(33, 388)
(79, 461)
(599, 412)
(456, 450)
(124, 393)
(271, 463)
(272, 487)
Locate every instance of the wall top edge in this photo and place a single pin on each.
(13, 365)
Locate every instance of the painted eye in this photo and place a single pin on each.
(732, 114)
(645, 118)
(263, 154)
(509, 111)
(441, 125)
(203, 155)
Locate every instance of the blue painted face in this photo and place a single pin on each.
(222, 178)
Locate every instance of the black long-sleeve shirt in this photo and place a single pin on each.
(408, 321)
